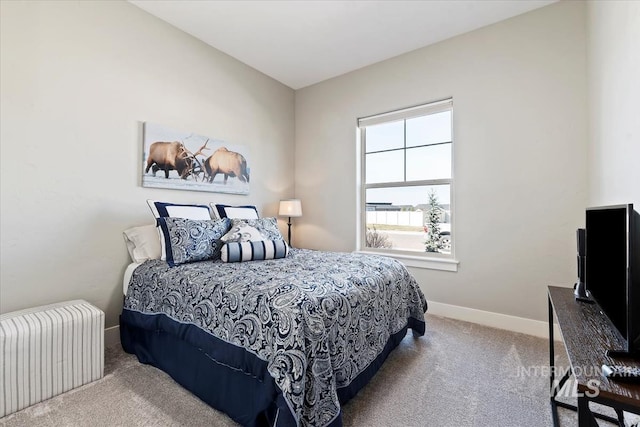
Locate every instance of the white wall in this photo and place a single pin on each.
(76, 80)
(520, 130)
(614, 102)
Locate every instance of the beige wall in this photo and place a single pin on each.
(76, 80)
(520, 129)
(614, 102)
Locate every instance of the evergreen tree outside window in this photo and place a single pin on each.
(434, 242)
(406, 181)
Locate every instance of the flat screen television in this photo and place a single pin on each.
(612, 274)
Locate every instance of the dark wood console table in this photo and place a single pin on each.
(587, 335)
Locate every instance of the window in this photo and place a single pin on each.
(407, 180)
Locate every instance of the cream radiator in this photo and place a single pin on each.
(45, 351)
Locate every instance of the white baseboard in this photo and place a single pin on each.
(495, 320)
(112, 336)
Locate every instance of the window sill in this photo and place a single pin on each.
(444, 264)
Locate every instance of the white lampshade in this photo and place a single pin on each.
(291, 207)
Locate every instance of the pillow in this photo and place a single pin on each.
(189, 240)
(240, 212)
(254, 251)
(175, 210)
(243, 233)
(143, 243)
(247, 230)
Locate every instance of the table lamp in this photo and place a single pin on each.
(290, 208)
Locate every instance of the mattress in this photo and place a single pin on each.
(128, 272)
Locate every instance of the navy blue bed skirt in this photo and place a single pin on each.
(226, 377)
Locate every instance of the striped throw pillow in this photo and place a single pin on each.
(254, 251)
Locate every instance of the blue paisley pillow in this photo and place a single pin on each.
(189, 240)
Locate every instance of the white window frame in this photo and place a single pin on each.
(428, 260)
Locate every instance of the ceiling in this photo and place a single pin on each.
(300, 43)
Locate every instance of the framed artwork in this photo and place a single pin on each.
(186, 161)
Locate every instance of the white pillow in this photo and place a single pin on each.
(175, 210)
(143, 243)
(235, 212)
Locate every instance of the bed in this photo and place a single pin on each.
(280, 342)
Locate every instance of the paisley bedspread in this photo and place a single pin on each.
(317, 319)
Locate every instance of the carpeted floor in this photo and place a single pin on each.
(458, 374)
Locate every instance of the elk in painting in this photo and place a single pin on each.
(226, 162)
(168, 156)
